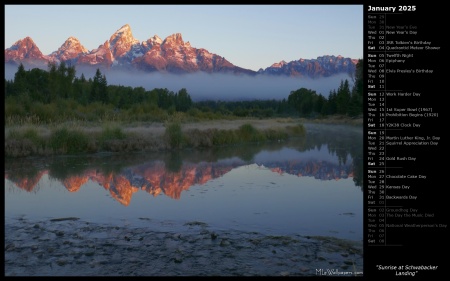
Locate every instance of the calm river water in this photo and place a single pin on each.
(307, 186)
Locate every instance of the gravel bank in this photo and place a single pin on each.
(70, 247)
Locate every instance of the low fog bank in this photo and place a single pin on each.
(204, 86)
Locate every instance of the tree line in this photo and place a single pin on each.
(60, 85)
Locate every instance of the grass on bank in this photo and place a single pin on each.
(64, 139)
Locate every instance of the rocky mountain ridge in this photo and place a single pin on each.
(171, 55)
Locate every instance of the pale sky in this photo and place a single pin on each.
(249, 36)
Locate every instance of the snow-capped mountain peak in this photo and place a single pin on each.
(172, 55)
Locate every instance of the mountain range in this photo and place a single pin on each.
(171, 55)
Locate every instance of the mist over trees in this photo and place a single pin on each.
(342, 101)
(59, 94)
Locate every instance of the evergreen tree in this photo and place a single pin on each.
(20, 80)
(9, 88)
(183, 101)
(357, 99)
(166, 98)
(303, 100)
(332, 103)
(343, 97)
(320, 104)
(37, 81)
(53, 83)
(99, 90)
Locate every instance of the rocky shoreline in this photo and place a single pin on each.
(70, 247)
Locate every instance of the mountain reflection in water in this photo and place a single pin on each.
(155, 178)
(320, 156)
